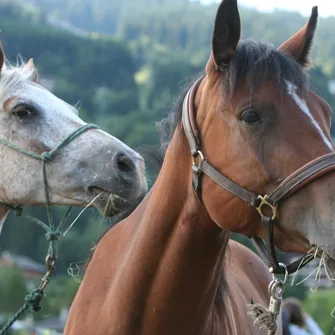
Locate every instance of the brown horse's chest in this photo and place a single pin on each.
(108, 309)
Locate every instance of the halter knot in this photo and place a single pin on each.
(46, 156)
(33, 300)
(52, 236)
(18, 211)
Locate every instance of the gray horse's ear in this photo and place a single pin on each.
(226, 35)
(31, 70)
(300, 44)
(2, 57)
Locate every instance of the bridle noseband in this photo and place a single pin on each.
(297, 180)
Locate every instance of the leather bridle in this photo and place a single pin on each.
(267, 205)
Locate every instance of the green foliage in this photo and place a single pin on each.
(26, 238)
(79, 66)
(60, 294)
(181, 26)
(321, 304)
(12, 289)
(300, 292)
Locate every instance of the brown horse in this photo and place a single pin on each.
(168, 268)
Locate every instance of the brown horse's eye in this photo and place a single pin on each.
(250, 117)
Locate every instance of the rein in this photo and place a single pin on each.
(266, 205)
(32, 301)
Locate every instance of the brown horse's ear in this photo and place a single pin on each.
(299, 45)
(227, 32)
(31, 69)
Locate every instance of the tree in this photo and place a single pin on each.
(12, 289)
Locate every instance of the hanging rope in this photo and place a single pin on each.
(32, 300)
(267, 318)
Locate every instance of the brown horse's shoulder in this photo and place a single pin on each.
(248, 266)
(247, 258)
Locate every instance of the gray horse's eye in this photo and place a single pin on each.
(23, 111)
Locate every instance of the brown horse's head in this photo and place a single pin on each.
(259, 122)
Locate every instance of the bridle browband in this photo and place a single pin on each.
(297, 180)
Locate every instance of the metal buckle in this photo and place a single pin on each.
(197, 168)
(264, 202)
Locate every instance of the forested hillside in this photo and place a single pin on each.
(125, 61)
(181, 25)
(129, 66)
(169, 41)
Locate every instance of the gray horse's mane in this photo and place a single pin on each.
(14, 74)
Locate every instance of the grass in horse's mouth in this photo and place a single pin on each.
(78, 216)
(315, 252)
(111, 195)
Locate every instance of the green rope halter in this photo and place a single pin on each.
(32, 300)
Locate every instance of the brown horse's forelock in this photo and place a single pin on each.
(257, 61)
(254, 62)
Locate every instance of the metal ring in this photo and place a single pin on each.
(286, 271)
(49, 263)
(199, 153)
(276, 289)
(283, 266)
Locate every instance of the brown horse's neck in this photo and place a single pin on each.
(174, 185)
(176, 253)
(160, 271)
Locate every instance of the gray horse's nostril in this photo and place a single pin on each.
(124, 163)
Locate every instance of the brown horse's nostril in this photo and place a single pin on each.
(124, 163)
